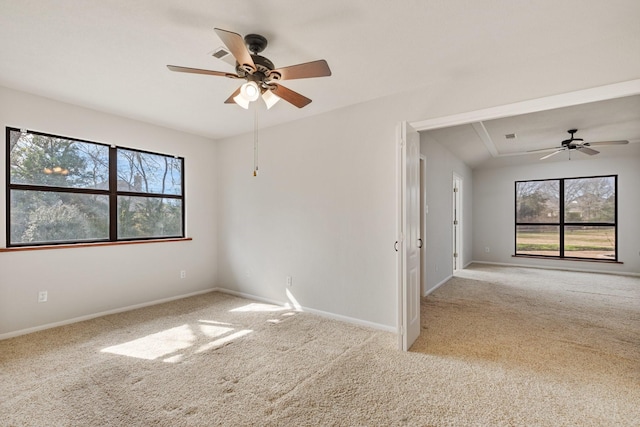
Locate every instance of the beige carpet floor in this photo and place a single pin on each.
(499, 347)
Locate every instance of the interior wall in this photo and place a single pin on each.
(321, 210)
(85, 281)
(494, 204)
(441, 165)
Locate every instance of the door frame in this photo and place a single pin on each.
(423, 223)
(457, 207)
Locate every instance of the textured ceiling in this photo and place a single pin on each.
(111, 55)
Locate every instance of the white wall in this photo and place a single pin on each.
(494, 210)
(322, 210)
(84, 281)
(441, 165)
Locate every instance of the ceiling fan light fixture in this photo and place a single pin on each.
(250, 91)
(241, 101)
(270, 98)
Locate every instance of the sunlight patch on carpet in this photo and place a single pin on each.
(222, 341)
(258, 307)
(212, 331)
(170, 344)
(156, 345)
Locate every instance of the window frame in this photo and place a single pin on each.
(112, 193)
(562, 223)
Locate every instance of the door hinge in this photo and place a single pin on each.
(455, 255)
(455, 222)
(455, 189)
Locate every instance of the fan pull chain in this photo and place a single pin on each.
(255, 141)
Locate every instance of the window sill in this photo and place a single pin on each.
(603, 261)
(86, 245)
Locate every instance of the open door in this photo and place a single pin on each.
(409, 237)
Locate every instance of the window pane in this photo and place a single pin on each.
(590, 242)
(149, 217)
(538, 240)
(53, 161)
(52, 217)
(538, 201)
(590, 199)
(149, 173)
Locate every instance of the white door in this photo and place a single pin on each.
(410, 241)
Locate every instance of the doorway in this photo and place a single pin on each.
(616, 90)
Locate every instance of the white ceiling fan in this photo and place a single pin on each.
(577, 144)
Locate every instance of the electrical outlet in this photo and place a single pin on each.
(289, 281)
(183, 274)
(42, 296)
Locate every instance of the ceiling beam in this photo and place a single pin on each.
(601, 93)
(481, 131)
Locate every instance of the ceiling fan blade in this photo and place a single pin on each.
(586, 150)
(290, 96)
(200, 71)
(621, 142)
(552, 154)
(542, 149)
(318, 68)
(233, 95)
(237, 47)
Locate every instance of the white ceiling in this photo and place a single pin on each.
(111, 55)
(484, 144)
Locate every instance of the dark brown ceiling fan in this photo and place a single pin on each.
(259, 72)
(577, 144)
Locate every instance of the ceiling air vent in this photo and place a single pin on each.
(223, 54)
(510, 136)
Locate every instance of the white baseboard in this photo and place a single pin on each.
(564, 268)
(325, 314)
(427, 292)
(102, 313)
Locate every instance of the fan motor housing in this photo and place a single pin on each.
(263, 67)
(255, 43)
